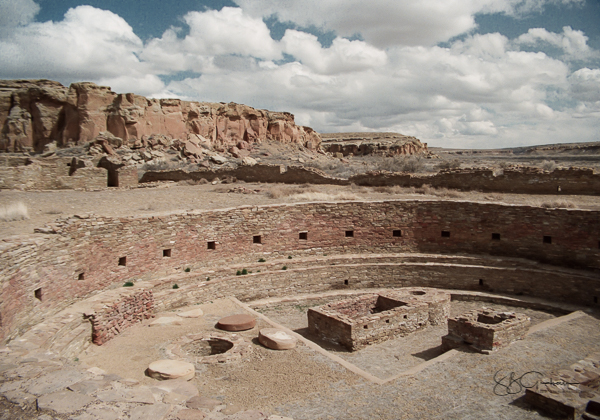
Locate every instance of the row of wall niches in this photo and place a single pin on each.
(303, 236)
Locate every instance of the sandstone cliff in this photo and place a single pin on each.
(34, 113)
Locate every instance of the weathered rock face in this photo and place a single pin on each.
(387, 144)
(34, 113)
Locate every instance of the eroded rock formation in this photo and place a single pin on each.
(386, 144)
(34, 113)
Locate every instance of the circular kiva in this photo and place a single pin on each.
(171, 369)
(276, 339)
(239, 322)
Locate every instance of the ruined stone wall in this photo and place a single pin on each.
(247, 173)
(78, 256)
(61, 174)
(352, 323)
(522, 181)
(52, 175)
(109, 320)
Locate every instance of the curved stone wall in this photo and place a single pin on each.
(82, 255)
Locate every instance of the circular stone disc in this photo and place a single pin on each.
(240, 322)
(276, 339)
(171, 369)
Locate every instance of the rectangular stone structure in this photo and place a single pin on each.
(355, 323)
(485, 330)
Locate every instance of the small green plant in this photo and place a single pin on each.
(289, 257)
(284, 267)
(208, 278)
(238, 273)
(188, 269)
(76, 359)
(244, 272)
(175, 286)
(128, 284)
(258, 271)
(262, 260)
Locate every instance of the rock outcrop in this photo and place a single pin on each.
(387, 144)
(34, 113)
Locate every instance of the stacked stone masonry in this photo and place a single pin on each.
(374, 318)
(78, 256)
(109, 320)
(59, 173)
(485, 330)
(569, 393)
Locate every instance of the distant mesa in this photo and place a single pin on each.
(385, 144)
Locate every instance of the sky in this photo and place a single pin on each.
(453, 73)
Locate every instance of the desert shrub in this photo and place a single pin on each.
(187, 269)
(238, 273)
(393, 189)
(448, 164)
(289, 257)
(128, 284)
(14, 211)
(175, 286)
(284, 267)
(548, 165)
(558, 204)
(262, 260)
(244, 272)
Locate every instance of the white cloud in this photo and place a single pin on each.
(88, 44)
(15, 13)
(573, 43)
(385, 23)
(343, 55)
(585, 85)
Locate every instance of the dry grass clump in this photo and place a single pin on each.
(282, 190)
(439, 192)
(394, 190)
(320, 196)
(558, 204)
(14, 211)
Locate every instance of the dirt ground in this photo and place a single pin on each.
(46, 206)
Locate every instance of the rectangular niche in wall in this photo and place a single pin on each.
(495, 236)
(396, 233)
(547, 239)
(38, 294)
(211, 245)
(445, 233)
(81, 276)
(303, 236)
(257, 239)
(349, 234)
(166, 253)
(123, 261)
